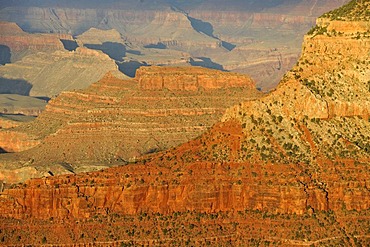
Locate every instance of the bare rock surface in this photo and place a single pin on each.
(117, 120)
(261, 39)
(290, 168)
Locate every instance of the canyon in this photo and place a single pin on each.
(43, 67)
(287, 168)
(262, 40)
(116, 120)
(19, 43)
(47, 48)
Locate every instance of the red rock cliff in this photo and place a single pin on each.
(115, 120)
(307, 128)
(284, 156)
(189, 79)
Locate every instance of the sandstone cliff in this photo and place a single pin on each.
(290, 168)
(189, 79)
(170, 33)
(117, 120)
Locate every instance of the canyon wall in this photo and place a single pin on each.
(288, 168)
(47, 74)
(117, 120)
(163, 33)
(22, 43)
(189, 79)
(295, 150)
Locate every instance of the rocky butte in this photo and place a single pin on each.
(116, 120)
(290, 168)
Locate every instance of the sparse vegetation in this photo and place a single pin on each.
(355, 10)
(291, 168)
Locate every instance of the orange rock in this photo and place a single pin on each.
(298, 155)
(189, 79)
(12, 141)
(115, 120)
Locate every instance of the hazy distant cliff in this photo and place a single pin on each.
(209, 32)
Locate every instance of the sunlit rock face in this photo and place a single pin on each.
(117, 120)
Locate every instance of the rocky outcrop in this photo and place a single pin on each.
(117, 120)
(345, 28)
(124, 194)
(21, 43)
(189, 79)
(98, 36)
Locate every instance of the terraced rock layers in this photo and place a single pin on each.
(117, 120)
(290, 168)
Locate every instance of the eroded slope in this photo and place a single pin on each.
(293, 172)
(117, 120)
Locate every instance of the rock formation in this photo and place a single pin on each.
(189, 79)
(98, 36)
(290, 168)
(130, 56)
(46, 74)
(42, 65)
(266, 36)
(117, 120)
(22, 43)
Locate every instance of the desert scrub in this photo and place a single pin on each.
(355, 10)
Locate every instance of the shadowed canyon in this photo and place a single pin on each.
(259, 39)
(47, 47)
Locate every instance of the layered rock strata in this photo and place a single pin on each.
(298, 165)
(117, 120)
(22, 43)
(189, 79)
(47, 74)
(208, 32)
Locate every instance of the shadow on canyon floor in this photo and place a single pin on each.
(129, 68)
(159, 45)
(15, 86)
(5, 55)
(207, 29)
(206, 62)
(114, 50)
(69, 45)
